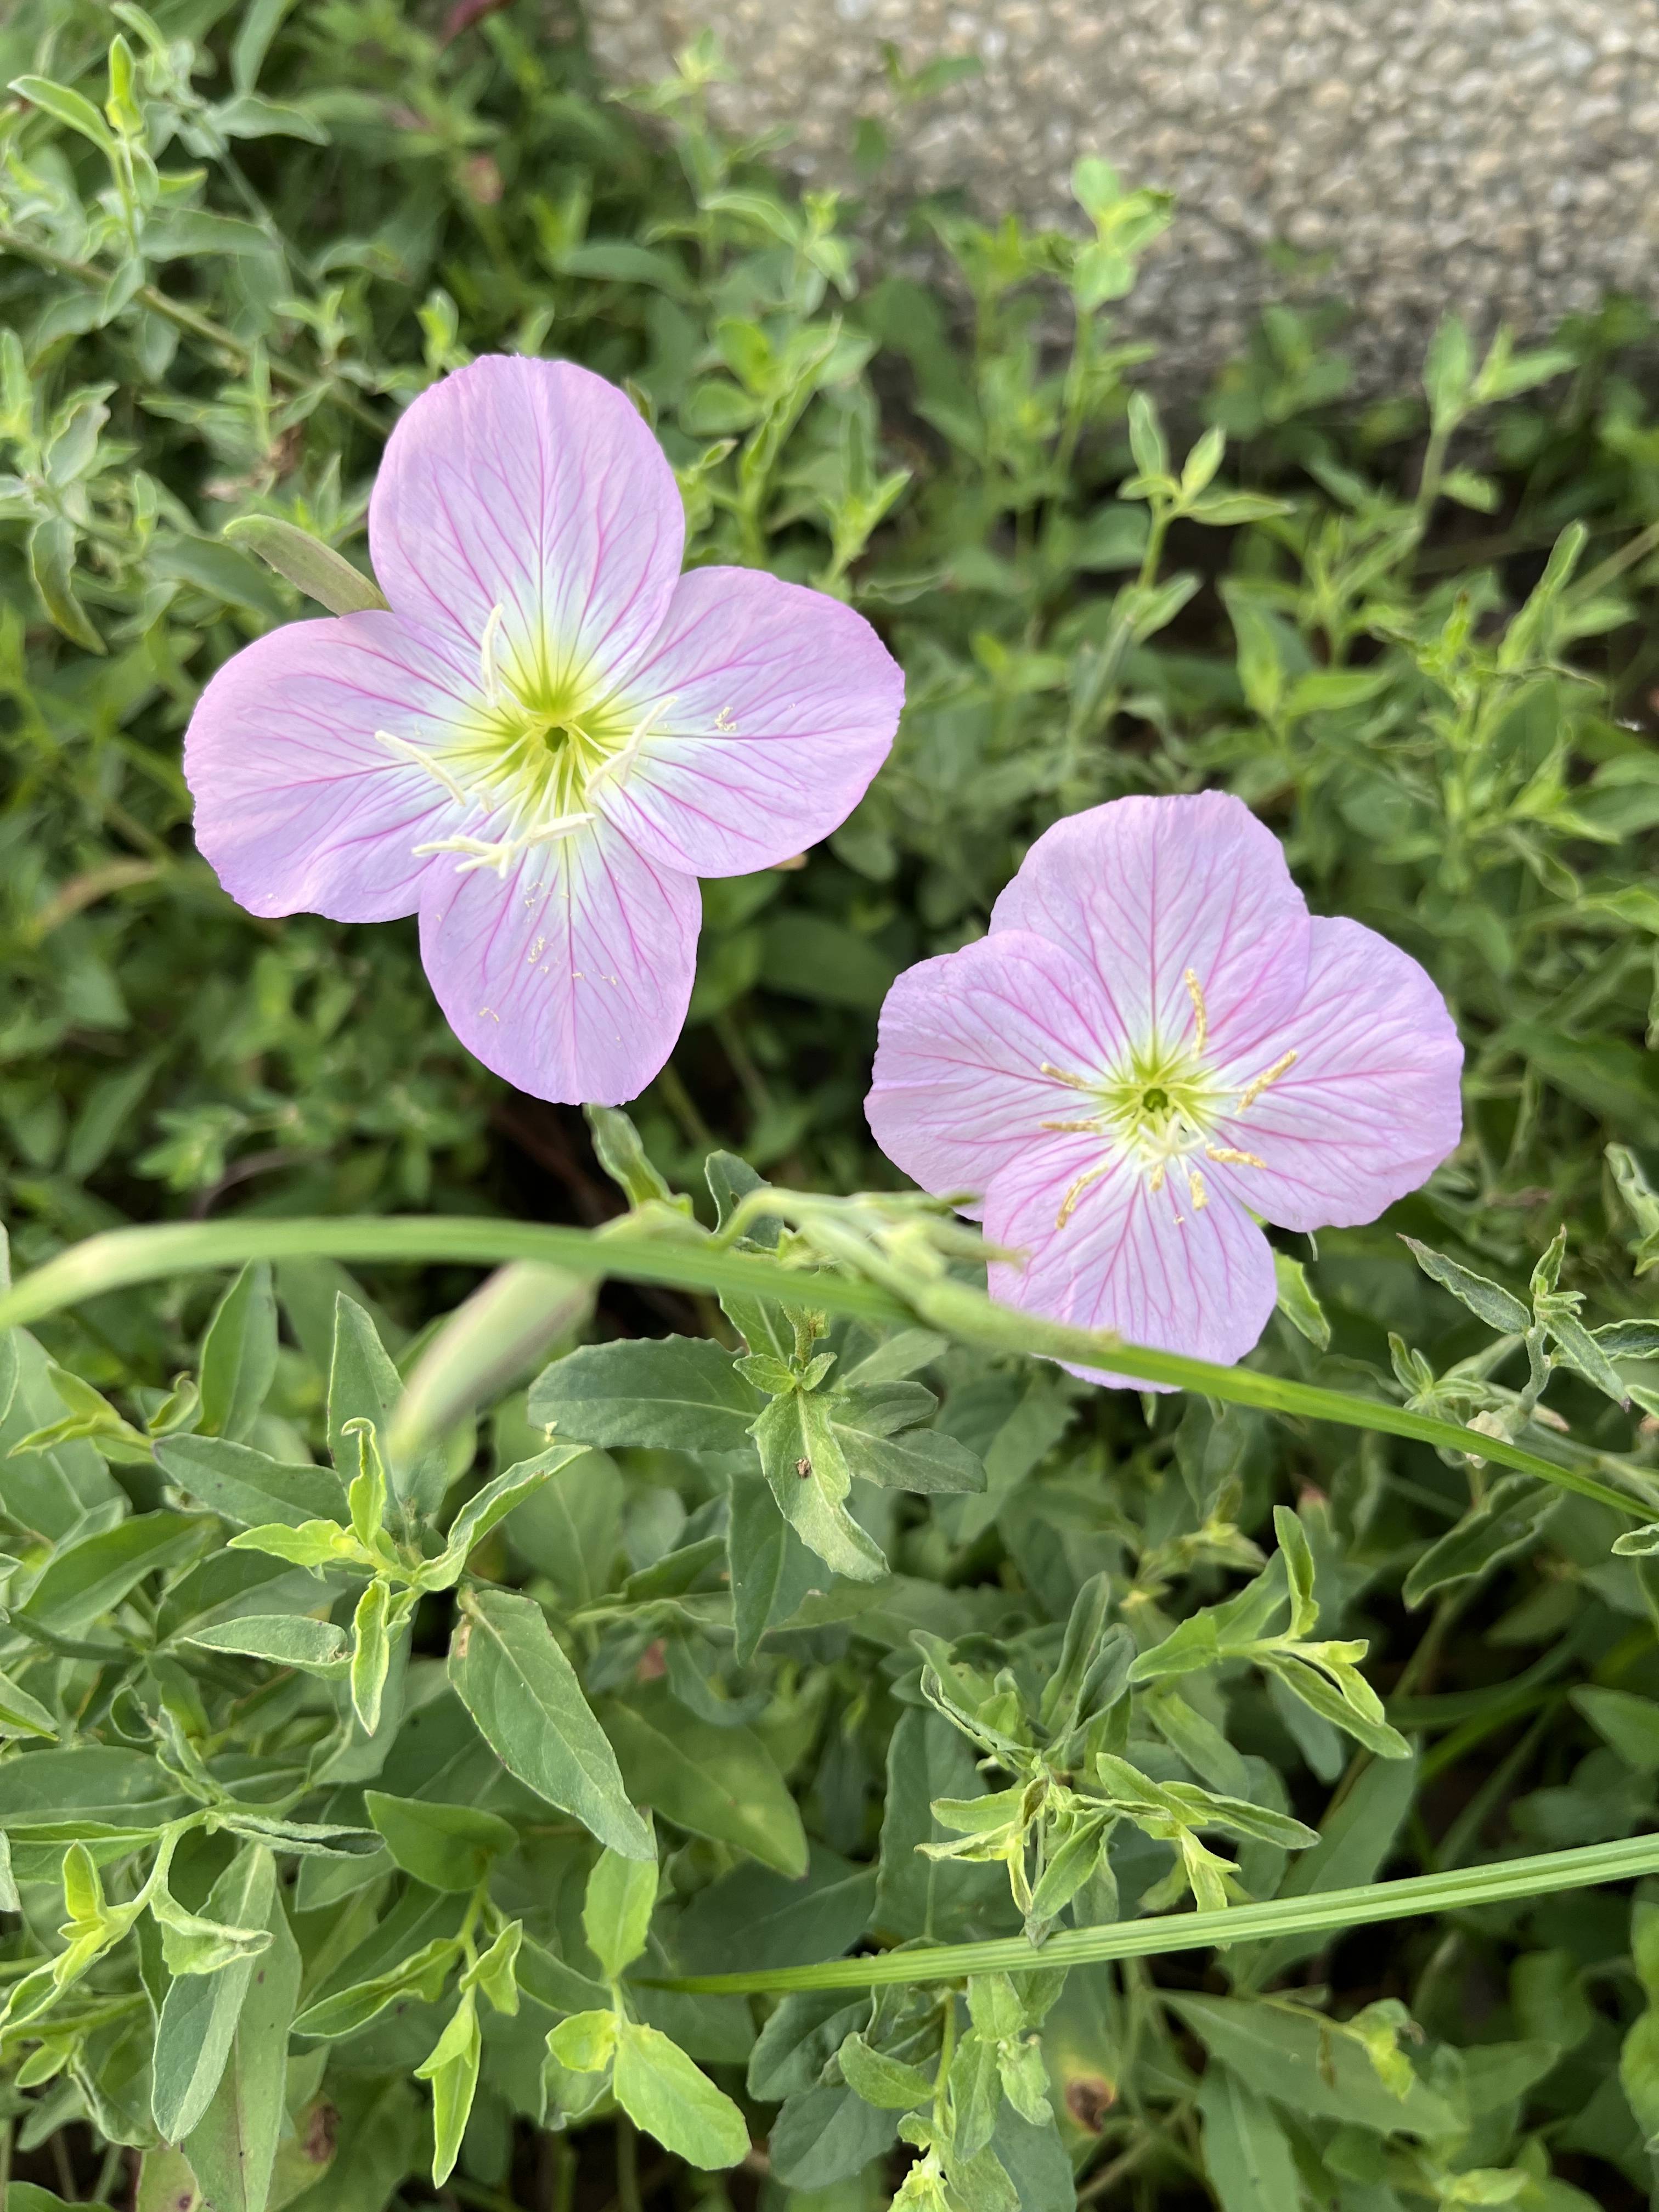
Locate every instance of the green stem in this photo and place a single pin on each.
(1418, 1896)
(122, 1257)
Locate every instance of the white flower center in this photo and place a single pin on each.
(1162, 1107)
(528, 757)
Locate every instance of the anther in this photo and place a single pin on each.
(1195, 1185)
(1254, 1089)
(1068, 1205)
(1076, 1128)
(1200, 1017)
(1061, 1075)
(1229, 1157)
(487, 674)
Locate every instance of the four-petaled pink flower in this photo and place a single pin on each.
(1156, 1043)
(548, 739)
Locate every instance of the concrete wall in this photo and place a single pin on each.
(1501, 156)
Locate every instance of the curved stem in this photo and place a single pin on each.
(1323, 1913)
(880, 1290)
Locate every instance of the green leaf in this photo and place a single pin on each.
(586, 2042)
(178, 234)
(1151, 455)
(200, 2013)
(452, 2067)
(92, 1578)
(445, 1846)
(521, 1690)
(246, 1486)
(314, 1544)
(1297, 1303)
(22, 1715)
(891, 2083)
(621, 1894)
(1582, 1351)
(804, 1464)
(1291, 2057)
(620, 1151)
(1498, 1308)
(879, 1442)
(239, 1354)
(664, 2092)
(307, 563)
(487, 1508)
(286, 1639)
(721, 1783)
(1247, 2155)
(51, 548)
(371, 1653)
(1507, 1520)
(67, 106)
(232, 2149)
(673, 1393)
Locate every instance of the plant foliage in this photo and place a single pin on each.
(407, 1693)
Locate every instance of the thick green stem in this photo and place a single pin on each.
(1320, 1914)
(122, 1257)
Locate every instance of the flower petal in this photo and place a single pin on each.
(570, 977)
(765, 710)
(532, 486)
(1145, 1263)
(1141, 890)
(959, 1091)
(299, 805)
(1370, 1105)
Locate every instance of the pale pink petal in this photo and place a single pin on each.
(1147, 1264)
(764, 711)
(1368, 1108)
(1141, 890)
(301, 805)
(570, 978)
(532, 486)
(959, 1090)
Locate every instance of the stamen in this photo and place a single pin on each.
(499, 853)
(1061, 1075)
(1253, 1090)
(618, 763)
(1068, 1205)
(432, 763)
(487, 674)
(1195, 1185)
(1200, 1017)
(1230, 1158)
(1078, 1128)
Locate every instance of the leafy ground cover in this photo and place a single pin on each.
(335, 1685)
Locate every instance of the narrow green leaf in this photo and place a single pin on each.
(309, 565)
(200, 2013)
(239, 1354)
(616, 1912)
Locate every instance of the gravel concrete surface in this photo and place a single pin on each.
(1499, 156)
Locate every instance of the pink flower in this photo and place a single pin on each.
(1155, 1043)
(548, 739)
